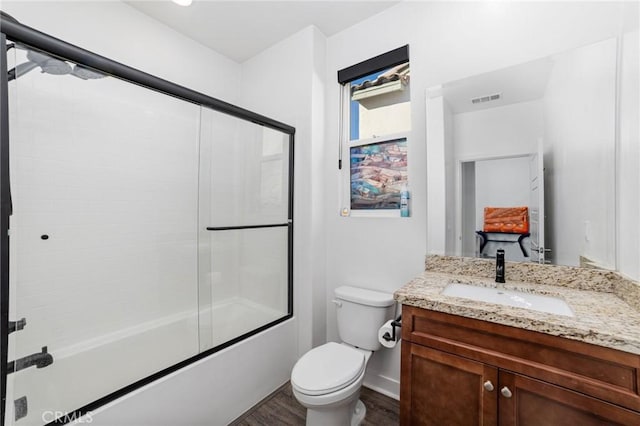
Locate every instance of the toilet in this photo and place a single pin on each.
(327, 379)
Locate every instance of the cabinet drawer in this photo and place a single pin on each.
(604, 373)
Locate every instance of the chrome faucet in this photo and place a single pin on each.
(500, 266)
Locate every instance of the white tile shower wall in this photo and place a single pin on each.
(263, 274)
(448, 41)
(116, 197)
(225, 164)
(264, 268)
(249, 186)
(252, 265)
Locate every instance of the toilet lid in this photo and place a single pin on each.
(327, 368)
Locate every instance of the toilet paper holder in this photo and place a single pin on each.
(395, 323)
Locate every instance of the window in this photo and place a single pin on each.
(379, 103)
(376, 119)
(378, 172)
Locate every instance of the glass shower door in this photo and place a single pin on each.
(245, 228)
(103, 246)
(147, 232)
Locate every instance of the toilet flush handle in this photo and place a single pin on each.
(337, 302)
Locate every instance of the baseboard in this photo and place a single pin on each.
(257, 405)
(384, 385)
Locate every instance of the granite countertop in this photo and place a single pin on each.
(606, 305)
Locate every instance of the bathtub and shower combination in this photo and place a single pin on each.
(150, 226)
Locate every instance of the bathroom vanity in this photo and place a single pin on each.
(471, 362)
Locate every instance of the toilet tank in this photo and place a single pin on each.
(361, 312)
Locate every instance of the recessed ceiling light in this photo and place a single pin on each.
(182, 2)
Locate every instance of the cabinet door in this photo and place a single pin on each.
(438, 389)
(528, 402)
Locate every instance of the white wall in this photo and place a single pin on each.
(121, 33)
(467, 217)
(438, 149)
(497, 132)
(450, 179)
(384, 114)
(629, 160)
(448, 41)
(501, 183)
(440, 133)
(489, 133)
(580, 140)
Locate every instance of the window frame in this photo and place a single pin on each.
(346, 76)
(345, 180)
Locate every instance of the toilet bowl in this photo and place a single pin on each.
(327, 379)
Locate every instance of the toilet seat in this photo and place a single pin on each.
(327, 368)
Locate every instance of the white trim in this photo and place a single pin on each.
(384, 385)
(375, 213)
(617, 147)
(494, 157)
(378, 139)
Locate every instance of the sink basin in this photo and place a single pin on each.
(518, 299)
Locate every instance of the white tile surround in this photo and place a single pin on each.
(117, 199)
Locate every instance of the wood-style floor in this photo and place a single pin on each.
(281, 408)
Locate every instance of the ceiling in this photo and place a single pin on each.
(520, 83)
(241, 29)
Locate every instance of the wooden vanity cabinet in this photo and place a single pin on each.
(438, 388)
(536, 403)
(461, 371)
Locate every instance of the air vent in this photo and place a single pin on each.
(487, 98)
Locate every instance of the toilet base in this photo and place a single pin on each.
(359, 413)
(351, 414)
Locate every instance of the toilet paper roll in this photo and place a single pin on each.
(387, 328)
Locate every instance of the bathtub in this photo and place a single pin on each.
(89, 370)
